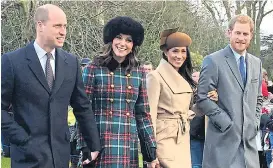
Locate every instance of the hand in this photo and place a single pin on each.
(213, 95)
(87, 161)
(93, 155)
(191, 114)
(153, 164)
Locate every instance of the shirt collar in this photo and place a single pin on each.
(237, 56)
(41, 52)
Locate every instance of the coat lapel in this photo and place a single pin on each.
(172, 78)
(231, 61)
(35, 66)
(61, 63)
(248, 69)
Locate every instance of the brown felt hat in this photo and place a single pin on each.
(172, 38)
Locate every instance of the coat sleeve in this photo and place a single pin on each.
(9, 127)
(259, 99)
(83, 112)
(208, 81)
(153, 90)
(144, 123)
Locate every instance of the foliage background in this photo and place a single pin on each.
(204, 20)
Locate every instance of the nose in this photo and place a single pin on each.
(241, 37)
(63, 31)
(180, 55)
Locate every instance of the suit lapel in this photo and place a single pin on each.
(248, 69)
(61, 63)
(231, 61)
(35, 66)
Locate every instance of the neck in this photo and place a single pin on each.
(242, 53)
(43, 45)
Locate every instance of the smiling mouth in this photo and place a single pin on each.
(60, 38)
(121, 49)
(178, 60)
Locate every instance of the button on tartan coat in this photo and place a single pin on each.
(120, 103)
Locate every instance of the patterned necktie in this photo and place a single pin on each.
(242, 69)
(49, 71)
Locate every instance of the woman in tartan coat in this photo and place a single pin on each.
(116, 87)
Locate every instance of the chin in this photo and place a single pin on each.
(241, 50)
(121, 55)
(59, 45)
(177, 66)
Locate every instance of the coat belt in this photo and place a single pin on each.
(181, 122)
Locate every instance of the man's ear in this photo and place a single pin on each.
(228, 33)
(39, 25)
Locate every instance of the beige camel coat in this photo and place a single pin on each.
(169, 98)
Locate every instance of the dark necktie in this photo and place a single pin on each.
(49, 71)
(242, 69)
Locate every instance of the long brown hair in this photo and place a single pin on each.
(106, 54)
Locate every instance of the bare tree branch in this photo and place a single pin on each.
(239, 7)
(227, 8)
(211, 11)
(261, 12)
(266, 13)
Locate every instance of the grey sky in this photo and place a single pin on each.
(267, 23)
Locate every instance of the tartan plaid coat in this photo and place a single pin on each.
(120, 103)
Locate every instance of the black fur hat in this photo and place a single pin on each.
(124, 25)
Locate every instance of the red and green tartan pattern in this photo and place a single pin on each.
(121, 113)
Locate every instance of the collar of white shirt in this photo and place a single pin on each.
(41, 52)
(237, 56)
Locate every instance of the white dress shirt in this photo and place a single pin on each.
(237, 57)
(43, 57)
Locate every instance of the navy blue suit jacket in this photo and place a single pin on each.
(39, 132)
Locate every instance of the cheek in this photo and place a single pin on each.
(172, 60)
(170, 57)
(130, 46)
(184, 55)
(114, 43)
(248, 39)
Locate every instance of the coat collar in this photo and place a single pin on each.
(114, 64)
(172, 78)
(35, 65)
(36, 68)
(232, 63)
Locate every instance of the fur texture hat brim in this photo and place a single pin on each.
(124, 25)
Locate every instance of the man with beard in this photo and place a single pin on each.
(234, 119)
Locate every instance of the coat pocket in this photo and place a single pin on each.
(254, 80)
(25, 153)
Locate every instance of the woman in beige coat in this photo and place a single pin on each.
(170, 89)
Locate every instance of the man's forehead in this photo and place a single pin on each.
(149, 65)
(242, 27)
(195, 73)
